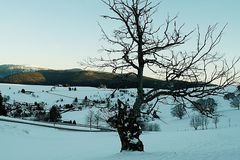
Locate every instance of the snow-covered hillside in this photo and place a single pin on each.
(52, 95)
(49, 94)
(176, 140)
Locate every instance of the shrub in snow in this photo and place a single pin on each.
(178, 111)
(23, 91)
(155, 127)
(148, 126)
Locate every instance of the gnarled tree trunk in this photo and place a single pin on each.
(128, 129)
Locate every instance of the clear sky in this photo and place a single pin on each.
(59, 33)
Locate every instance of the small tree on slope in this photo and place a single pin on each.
(235, 102)
(139, 46)
(208, 106)
(54, 114)
(178, 111)
(234, 98)
(90, 118)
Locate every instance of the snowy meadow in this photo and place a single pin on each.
(176, 139)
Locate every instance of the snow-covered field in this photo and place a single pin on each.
(176, 140)
(20, 141)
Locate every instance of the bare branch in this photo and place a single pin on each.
(139, 46)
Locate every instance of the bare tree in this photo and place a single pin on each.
(97, 118)
(90, 118)
(204, 121)
(216, 121)
(196, 121)
(139, 47)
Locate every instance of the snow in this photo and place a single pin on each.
(49, 125)
(134, 141)
(19, 141)
(176, 141)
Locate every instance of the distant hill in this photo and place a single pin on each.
(20, 74)
(11, 69)
(78, 77)
(71, 78)
(25, 78)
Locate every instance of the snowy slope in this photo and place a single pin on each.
(20, 141)
(52, 95)
(49, 94)
(176, 141)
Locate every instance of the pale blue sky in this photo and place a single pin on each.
(59, 33)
